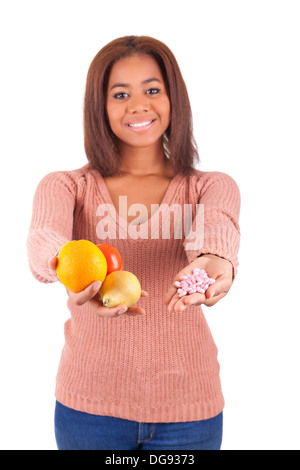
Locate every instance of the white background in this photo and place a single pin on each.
(240, 61)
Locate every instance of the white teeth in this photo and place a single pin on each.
(140, 124)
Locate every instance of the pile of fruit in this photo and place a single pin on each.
(81, 262)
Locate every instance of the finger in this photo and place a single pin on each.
(188, 300)
(222, 285)
(179, 306)
(112, 312)
(87, 294)
(106, 312)
(213, 300)
(170, 294)
(135, 311)
(200, 299)
(194, 299)
(53, 263)
(172, 302)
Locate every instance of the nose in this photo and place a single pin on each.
(138, 104)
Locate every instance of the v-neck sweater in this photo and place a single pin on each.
(159, 367)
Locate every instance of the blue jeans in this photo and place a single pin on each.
(75, 430)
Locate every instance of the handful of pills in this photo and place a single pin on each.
(192, 283)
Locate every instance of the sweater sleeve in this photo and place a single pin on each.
(52, 222)
(216, 222)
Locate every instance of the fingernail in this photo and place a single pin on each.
(121, 311)
(97, 286)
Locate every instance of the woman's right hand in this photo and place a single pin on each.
(91, 296)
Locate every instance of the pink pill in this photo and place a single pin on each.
(198, 281)
(200, 290)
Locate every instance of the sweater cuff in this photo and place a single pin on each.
(42, 245)
(219, 239)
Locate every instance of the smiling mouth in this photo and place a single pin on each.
(140, 125)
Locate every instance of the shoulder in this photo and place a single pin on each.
(72, 175)
(202, 179)
(214, 181)
(69, 180)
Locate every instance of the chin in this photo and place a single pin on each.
(142, 142)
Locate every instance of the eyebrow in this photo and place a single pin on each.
(126, 85)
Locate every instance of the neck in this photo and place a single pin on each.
(143, 161)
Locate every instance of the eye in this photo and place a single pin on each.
(120, 96)
(153, 91)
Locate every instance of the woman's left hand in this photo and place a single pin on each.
(217, 268)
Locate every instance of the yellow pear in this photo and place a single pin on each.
(120, 288)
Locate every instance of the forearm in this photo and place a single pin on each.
(52, 223)
(216, 225)
(42, 244)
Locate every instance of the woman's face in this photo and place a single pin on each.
(138, 106)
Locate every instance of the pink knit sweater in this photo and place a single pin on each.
(159, 367)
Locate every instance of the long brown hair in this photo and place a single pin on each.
(100, 142)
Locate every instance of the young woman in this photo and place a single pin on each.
(146, 377)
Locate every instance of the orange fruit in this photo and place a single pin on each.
(80, 263)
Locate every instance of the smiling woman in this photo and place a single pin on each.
(139, 115)
(163, 79)
(154, 362)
